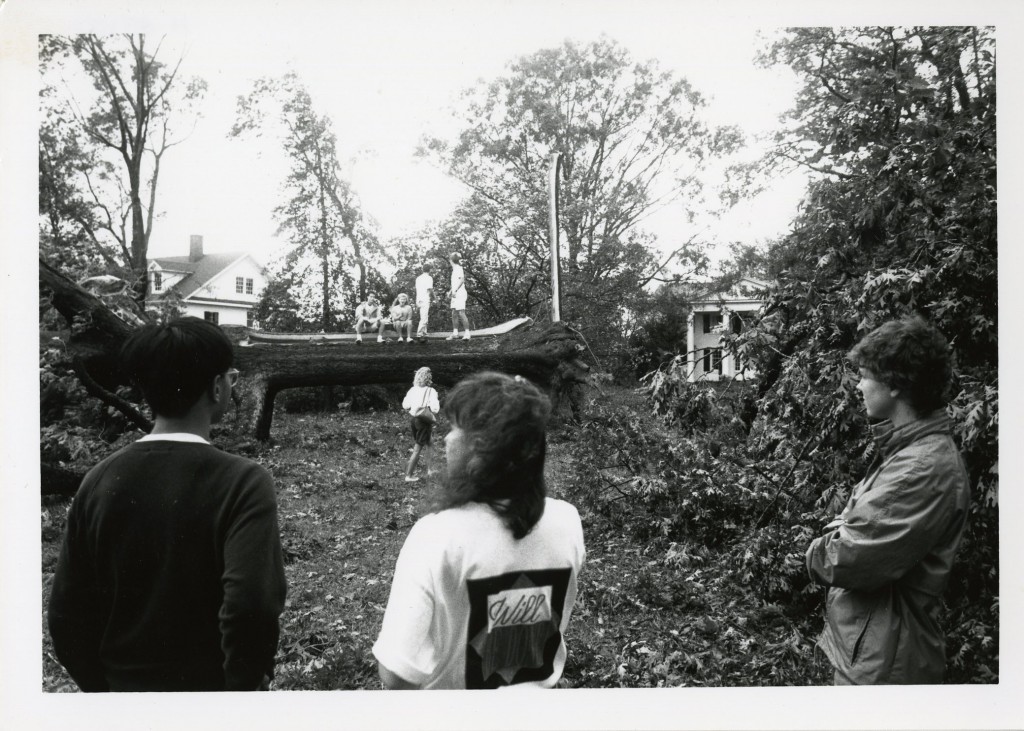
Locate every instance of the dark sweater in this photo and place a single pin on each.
(171, 575)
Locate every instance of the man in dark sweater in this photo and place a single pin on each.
(171, 575)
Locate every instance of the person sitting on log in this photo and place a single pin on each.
(421, 402)
(401, 317)
(369, 316)
(484, 586)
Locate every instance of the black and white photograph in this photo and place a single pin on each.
(646, 353)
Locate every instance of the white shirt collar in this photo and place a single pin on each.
(174, 437)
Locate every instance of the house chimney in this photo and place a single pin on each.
(195, 248)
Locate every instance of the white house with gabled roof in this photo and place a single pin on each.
(711, 312)
(221, 288)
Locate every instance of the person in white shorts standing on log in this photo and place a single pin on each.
(424, 291)
(458, 292)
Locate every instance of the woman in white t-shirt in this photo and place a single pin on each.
(484, 586)
(419, 400)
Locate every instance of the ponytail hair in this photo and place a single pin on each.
(504, 420)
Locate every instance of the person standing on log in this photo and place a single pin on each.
(171, 576)
(887, 557)
(422, 404)
(369, 316)
(401, 317)
(424, 293)
(484, 586)
(458, 294)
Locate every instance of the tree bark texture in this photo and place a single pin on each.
(98, 338)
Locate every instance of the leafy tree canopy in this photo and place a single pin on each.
(322, 216)
(632, 140)
(100, 148)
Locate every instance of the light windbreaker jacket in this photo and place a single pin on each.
(888, 557)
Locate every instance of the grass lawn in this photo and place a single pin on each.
(645, 617)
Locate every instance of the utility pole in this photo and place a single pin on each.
(555, 162)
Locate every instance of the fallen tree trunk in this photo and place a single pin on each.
(550, 356)
(97, 331)
(56, 480)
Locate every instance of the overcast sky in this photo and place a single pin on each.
(388, 72)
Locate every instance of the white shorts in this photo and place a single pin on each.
(459, 300)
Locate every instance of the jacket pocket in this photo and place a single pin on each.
(858, 644)
(848, 619)
(864, 630)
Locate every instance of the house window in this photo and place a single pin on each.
(213, 317)
(248, 286)
(158, 281)
(238, 284)
(250, 319)
(711, 321)
(713, 360)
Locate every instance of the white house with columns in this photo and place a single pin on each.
(220, 288)
(711, 313)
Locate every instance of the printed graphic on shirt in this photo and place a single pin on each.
(513, 626)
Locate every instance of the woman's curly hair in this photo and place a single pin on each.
(422, 377)
(504, 420)
(909, 355)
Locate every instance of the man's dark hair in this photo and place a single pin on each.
(504, 419)
(426, 266)
(909, 355)
(175, 362)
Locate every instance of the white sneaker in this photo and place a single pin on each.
(453, 335)
(466, 336)
(380, 339)
(359, 338)
(412, 479)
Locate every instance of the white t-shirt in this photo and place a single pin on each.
(458, 287)
(424, 283)
(419, 396)
(471, 607)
